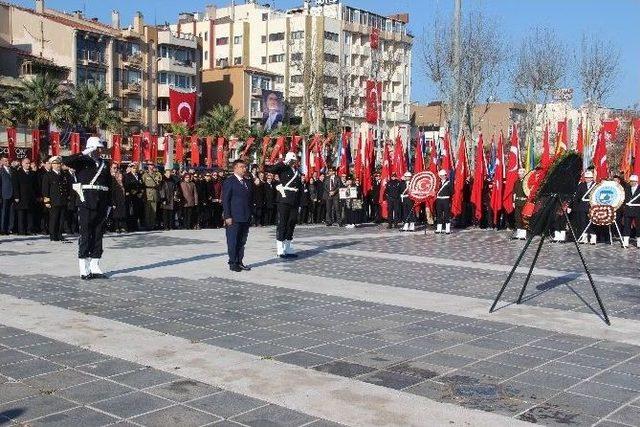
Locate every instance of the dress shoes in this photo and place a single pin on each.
(244, 267)
(235, 267)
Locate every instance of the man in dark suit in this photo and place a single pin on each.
(56, 187)
(331, 196)
(24, 194)
(6, 195)
(236, 210)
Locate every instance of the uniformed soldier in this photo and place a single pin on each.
(631, 211)
(408, 213)
(443, 203)
(56, 186)
(289, 193)
(392, 192)
(151, 180)
(94, 193)
(519, 200)
(580, 207)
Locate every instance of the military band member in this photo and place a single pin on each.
(519, 200)
(580, 207)
(289, 195)
(94, 193)
(631, 211)
(443, 204)
(407, 205)
(56, 187)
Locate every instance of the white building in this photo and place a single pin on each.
(321, 55)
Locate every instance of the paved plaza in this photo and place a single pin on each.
(368, 327)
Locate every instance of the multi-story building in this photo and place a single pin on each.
(135, 65)
(321, 56)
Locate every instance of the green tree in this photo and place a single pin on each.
(92, 109)
(38, 102)
(221, 120)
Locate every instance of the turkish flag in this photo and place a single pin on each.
(385, 175)
(295, 141)
(374, 38)
(513, 164)
(447, 162)
(373, 94)
(11, 143)
(462, 173)
(265, 144)
(600, 157)
(35, 145)
(75, 143)
(278, 149)
(209, 159)
(195, 151)
(135, 154)
(580, 141)
(116, 148)
(399, 164)
(247, 145)
(496, 193)
(479, 176)
(179, 149)
(154, 148)
(182, 106)
(146, 146)
(636, 136)
(220, 152)
(54, 137)
(545, 160)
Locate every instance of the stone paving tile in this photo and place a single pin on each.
(273, 415)
(177, 415)
(83, 416)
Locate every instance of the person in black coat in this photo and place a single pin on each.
(134, 192)
(631, 211)
(289, 196)
(580, 208)
(56, 186)
(236, 211)
(259, 195)
(25, 187)
(270, 192)
(94, 192)
(6, 194)
(443, 204)
(392, 193)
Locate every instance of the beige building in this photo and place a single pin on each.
(320, 55)
(136, 65)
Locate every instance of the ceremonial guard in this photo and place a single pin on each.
(519, 200)
(392, 192)
(289, 194)
(443, 203)
(580, 207)
(94, 194)
(631, 211)
(56, 187)
(407, 205)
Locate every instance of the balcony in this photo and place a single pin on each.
(256, 91)
(91, 58)
(177, 66)
(132, 115)
(164, 117)
(182, 39)
(131, 88)
(163, 90)
(134, 60)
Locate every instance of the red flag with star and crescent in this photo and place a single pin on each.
(182, 107)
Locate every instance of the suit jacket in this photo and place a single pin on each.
(6, 183)
(236, 199)
(25, 188)
(331, 186)
(56, 187)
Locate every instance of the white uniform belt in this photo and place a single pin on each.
(95, 187)
(443, 197)
(284, 187)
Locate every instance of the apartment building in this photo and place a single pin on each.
(134, 64)
(321, 56)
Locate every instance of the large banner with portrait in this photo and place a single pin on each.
(272, 109)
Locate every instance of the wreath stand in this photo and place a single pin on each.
(603, 215)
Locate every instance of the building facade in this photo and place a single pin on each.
(134, 64)
(320, 55)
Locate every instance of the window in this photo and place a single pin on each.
(330, 102)
(264, 60)
(274, 37)
(222, 62)
(333, 80)
(206, 35)
(297, 35)
(206, 55)
(265, 16)
(279, 79)
(297, 56)
(347, 37)
(134, 104)
(221, 41)
(328, 35)
(163, 104)
(296, 78)
(237, 40)
(237, 60)
(276, 58)
(134, 76)
(162, 78)
(116, 74)
(295, 100)
(263, 39)
(329, 57)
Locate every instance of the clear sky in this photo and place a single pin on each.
(613, 20)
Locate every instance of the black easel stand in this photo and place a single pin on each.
(548, 211)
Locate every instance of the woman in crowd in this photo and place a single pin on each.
(189, 197)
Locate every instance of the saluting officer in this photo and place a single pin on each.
(289, 193)
(443, 203)
(631, 211)
(94, 193)
(580, 207)
(56, 188)
(519, 200)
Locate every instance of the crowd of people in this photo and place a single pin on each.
(39, 199)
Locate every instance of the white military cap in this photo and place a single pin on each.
(588, 174)
(442, 172)
(94, 142)
(633, 178)
(407, 174)
(289, 157)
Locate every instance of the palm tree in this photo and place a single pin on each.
(39, 101)
(221, 121)
(92, 109)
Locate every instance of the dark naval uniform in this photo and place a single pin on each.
(408, 213)
(631, 212)
(580, 206)
(56, 189)
(520, 198)
(288, 201)
(392, 192)
(95, 178)
(443, 203)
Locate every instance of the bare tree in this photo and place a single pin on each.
(598, 65)
(539, 69)
(306, 61)
(480, 65)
